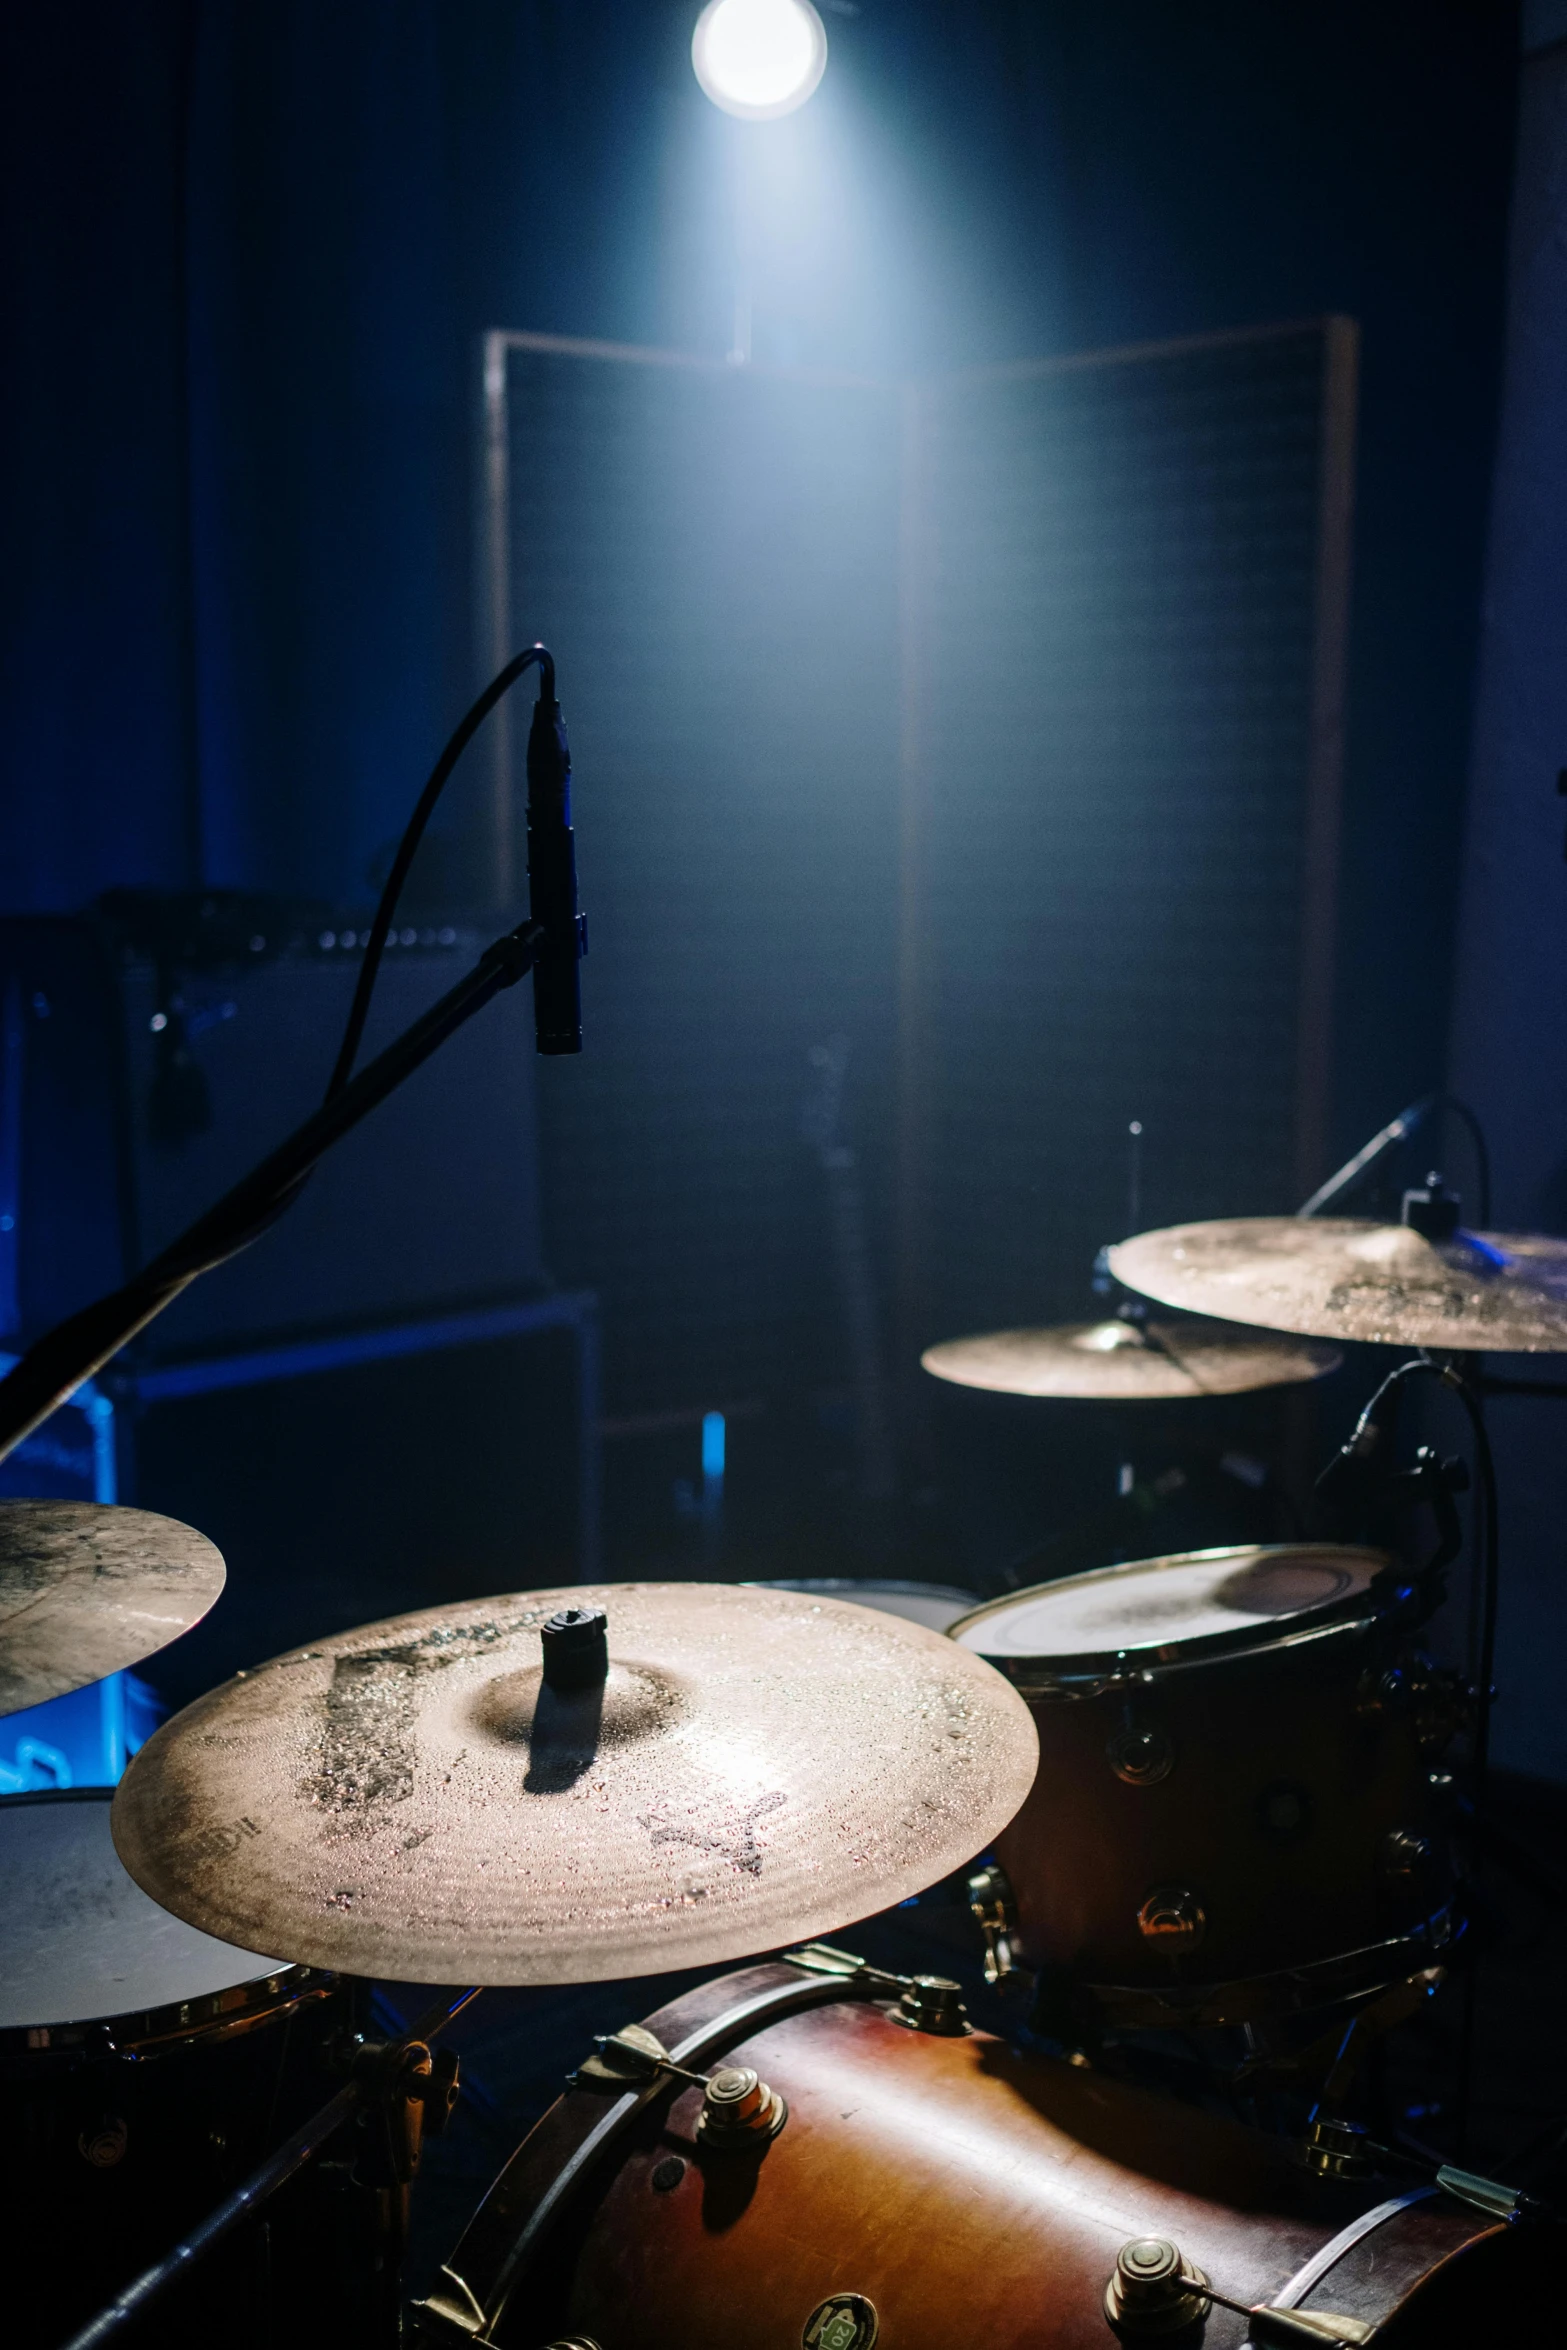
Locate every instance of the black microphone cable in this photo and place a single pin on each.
(440, 774)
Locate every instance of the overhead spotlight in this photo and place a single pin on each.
(759, 58)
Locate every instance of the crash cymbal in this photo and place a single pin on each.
(412, 1800)
(1120, 1361)
(86, 1589)
(1331, 1277)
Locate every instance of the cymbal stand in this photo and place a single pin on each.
(1354, 1467)
(401, 2092)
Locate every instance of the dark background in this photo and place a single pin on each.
(248, 253)
(247, 250)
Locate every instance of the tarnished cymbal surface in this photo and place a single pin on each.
(86, 1589)
(1330, 1277)
(410, 1800)
(1118, 1361)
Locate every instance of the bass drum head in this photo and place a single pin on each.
(80, 1942)
(1164, 1610)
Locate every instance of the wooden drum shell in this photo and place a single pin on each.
(1288, 1792)
(970, 2192)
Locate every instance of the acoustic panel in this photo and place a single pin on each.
(992, 724)
(1130, 594)
(712, 554)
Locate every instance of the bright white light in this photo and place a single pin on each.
(759, 58)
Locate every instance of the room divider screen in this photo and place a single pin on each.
(991, 724)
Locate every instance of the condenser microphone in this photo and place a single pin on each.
(552, 882)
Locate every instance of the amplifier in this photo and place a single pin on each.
(151, 1052)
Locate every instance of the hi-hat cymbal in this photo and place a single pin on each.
(410, 1800)
(1331, 1277)
(86, 1589)
(1118, 1361)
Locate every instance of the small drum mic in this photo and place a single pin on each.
(552, 881)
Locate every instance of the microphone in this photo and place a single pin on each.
(1395, 1131)
(552, 883)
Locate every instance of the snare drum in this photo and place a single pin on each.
(144, 2070)
(1237, 1811)
(924, 2188)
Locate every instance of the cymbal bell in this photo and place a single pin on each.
(413, 1800)
(1339, 1278)
(86, 1589)
(1122, 1361)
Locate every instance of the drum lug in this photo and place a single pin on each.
(1405, 1861)
(991, 1899)
(740, 2114)
(933, 2003)
(1337, 2149)
(1154, 2289)
(1173, 1919)
(1436, 1701)
(1141, 1755)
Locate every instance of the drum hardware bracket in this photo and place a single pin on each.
(738, 2109)
(933, 2003)
(408, 2094)
(740, 2113)
(991, 1900)
(1154, 2289)
(383, 2062)
(1339, 2149)
(926, 2003)
(454, 2313)
(626, 2058)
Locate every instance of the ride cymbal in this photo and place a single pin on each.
(1333, 1277)
(86, 1589)
(413, 1800)
(1118, 1361)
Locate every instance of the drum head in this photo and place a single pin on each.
(79, 1939)
(1166, 1610)
(935, 1605)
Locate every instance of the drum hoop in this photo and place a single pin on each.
(496, 2247)
(147, 2033)
(1329, 2255)
(143, 2032)
(1109, 1667)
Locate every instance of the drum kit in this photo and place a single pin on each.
(1206, 1795)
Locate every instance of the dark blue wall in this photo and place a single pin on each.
(247, 249)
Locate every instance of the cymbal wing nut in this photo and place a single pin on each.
(575, 1643)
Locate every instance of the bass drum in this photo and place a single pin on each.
(918, 2189)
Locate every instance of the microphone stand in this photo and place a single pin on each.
(52, 1369)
